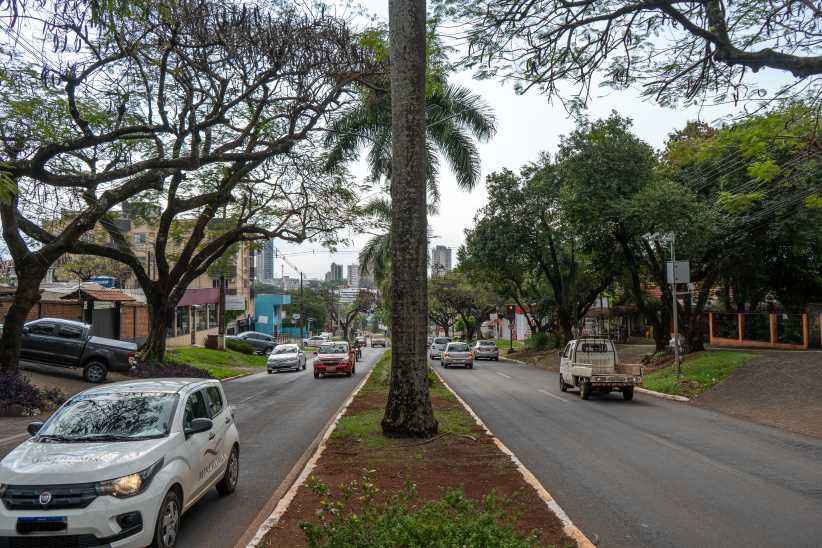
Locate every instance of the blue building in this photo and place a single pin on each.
(268, 309)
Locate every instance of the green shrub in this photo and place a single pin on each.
(402, 520)
(541, 341)
(239, 346)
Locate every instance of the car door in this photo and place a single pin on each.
(71, 344)
(564, 364)
(202, 456)
(221, 416)
(39, 342)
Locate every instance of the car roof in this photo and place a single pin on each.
(60, 321)
(169, 385)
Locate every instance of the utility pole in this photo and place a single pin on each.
(221, 315)
(677, 365)
(302, 309)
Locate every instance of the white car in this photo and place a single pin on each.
(315, 341)
(118, 465)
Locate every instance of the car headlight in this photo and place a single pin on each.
(130, 485)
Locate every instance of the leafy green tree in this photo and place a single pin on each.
(455, 296)
(523, 246)
(761, 178)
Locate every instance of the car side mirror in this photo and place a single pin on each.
(199, 425)
(34, 427)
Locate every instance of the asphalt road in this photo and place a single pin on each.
(278, 417)
(652, 472)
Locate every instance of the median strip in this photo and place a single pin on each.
(366, 489)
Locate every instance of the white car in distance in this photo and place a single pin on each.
(117, 465)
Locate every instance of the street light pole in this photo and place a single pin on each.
(302, 308)
(677, 365)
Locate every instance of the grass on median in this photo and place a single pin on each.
(220, 364)
(365, 425)
(699, 374)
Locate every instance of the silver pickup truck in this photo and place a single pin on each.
(592, 365)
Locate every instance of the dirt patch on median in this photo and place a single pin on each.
(462, 457)
(778, 389)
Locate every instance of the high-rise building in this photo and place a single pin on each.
(354, 275)
(335, 274)
(264, 263)
(440, 260)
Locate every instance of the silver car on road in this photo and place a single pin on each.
(486, 350)
(286, 357)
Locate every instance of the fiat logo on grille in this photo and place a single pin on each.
(45, 498)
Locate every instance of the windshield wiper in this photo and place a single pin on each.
(107, 437)
(54, 437)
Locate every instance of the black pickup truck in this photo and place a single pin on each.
(65, 343)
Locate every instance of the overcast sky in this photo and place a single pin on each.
(527, 124)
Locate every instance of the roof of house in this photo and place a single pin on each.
(107, 295)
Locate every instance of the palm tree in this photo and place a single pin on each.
(455, 120)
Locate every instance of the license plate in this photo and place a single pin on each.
(330, 369)
(41, 524)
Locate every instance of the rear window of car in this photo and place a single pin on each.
(338, 348)
(458, 347)
(594, 347)
(442, 340)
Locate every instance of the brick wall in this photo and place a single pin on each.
(129, 330)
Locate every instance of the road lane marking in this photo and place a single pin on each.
(502, 375)
(552, 395)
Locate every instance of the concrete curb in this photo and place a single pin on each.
(661, 395)
(236, 377)
(567, 525)
(274, 518)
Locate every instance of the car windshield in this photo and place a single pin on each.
(113, 416)
(458, 347)
(285, 349)
(334, 349)
(487, 343)
(442, 341)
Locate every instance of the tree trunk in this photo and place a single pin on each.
(160, 316)
(25, 297)
(408, 411)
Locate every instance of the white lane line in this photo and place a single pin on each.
(502, 375)
(552, 395)
(251, 397)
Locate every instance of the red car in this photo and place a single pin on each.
(334, 358)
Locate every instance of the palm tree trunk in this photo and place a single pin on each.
(408, 411)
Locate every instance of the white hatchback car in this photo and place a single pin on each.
(118, 465)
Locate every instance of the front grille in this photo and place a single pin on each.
(27, 497)
(56, 541)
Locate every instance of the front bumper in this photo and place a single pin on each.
(280, 366)
(94, 525)
(333, 368)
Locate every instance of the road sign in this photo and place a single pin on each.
(683, 272)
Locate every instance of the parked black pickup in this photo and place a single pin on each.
(65, 343)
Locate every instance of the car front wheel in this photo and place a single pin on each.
(168, 521)
(228, 484)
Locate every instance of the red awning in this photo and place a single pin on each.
(207, 295)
